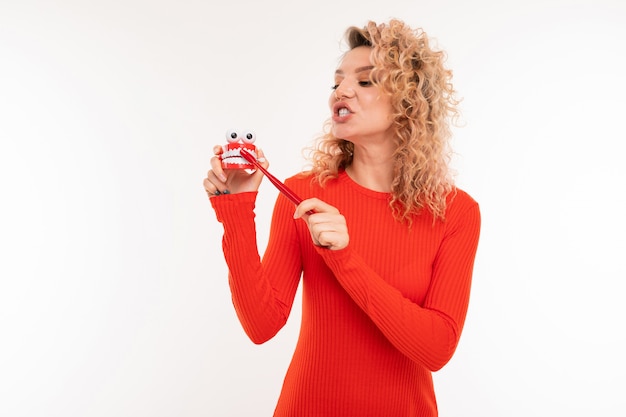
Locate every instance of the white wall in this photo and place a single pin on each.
(113, 292)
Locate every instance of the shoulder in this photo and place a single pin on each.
(306, 184)
(461, 204)
(461, 197)
(303, 182)
(300, 178)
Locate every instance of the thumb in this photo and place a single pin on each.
(260, 157)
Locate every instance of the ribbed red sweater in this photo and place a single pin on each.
(377, 316)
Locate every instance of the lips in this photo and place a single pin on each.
(341, 110)
(232, 159)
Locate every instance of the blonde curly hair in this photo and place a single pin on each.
(424, 105)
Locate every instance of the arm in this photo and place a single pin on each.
(262, 292)
(427, 334)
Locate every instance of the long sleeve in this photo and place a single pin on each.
(427, 333)
(262, 292)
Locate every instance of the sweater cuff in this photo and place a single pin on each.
(334, 258)
(230, 207)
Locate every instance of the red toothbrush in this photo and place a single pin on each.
(281, 187)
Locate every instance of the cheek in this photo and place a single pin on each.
(383, 117)
(386, 109)
(381, 107)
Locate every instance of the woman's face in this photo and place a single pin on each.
(360, 109)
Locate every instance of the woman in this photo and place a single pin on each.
(386, 257)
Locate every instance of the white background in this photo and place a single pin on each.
(113, 291)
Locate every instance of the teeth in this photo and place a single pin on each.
(233, 153)
(235, 160)
(343, 112)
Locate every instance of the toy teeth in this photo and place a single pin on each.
(231, 157)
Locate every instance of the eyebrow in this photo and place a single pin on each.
(359, 69)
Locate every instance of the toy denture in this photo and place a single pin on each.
(240, 153)
(231, 157)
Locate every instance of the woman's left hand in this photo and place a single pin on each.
(327, 226)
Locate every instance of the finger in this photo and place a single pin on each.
(258, 174)
(333, 236)
(313, 205)
(218, 150)
(213, 178)
(218, 170)
(324, 222)
(261, 158)
(213, 186)
(209, 187)
(326, 238)
(334, 241)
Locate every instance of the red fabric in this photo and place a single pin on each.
(378, 316)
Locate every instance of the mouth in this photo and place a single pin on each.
(231, 156)
(341, 110)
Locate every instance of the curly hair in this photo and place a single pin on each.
(424, 104)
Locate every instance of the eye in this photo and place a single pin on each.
(334, 87)
(232, 136)
(249, 137)
(366, 83)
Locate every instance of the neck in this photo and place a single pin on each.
(371, 169)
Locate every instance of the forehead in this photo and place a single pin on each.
(358, 57)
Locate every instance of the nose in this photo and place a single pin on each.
(343, 90)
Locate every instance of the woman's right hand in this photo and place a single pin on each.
(230, 181)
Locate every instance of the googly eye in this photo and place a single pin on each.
(232, 136)
(249, 137)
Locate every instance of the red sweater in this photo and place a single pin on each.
(377, 316)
